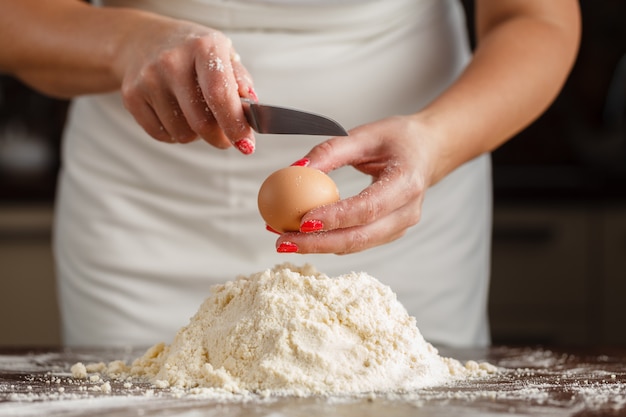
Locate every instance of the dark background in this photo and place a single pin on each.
(559, 269)
(576, 149)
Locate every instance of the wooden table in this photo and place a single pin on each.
(533, 381)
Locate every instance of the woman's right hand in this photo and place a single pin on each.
(180, 80)
(183, 81)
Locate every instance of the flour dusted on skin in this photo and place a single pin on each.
(295, 331)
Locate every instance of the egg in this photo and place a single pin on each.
(287, 194)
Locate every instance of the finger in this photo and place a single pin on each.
(148, 120)
(171, 116)
(243, 78)
(164, 102)
(214, 135)
(353, 239)
(271, 229)
(144, 114)
(339, 151)
(389, 192)
(221, 93)
(198, 115)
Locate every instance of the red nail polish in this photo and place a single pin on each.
(287, 247)
(311, 226)
(245, 146)
(271, 229)
(252, 93)
(301, 162)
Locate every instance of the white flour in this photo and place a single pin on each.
(294, 331)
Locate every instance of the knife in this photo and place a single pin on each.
(281, 120)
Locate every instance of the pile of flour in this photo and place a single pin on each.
(295, 331)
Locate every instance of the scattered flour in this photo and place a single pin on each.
(79, 370)
(295, 331)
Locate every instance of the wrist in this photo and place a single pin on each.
(125, 43)
(439, 157)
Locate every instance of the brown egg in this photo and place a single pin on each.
(287, 194)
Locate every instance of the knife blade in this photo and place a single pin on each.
(282, 120)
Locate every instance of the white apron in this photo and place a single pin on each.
(144, 228)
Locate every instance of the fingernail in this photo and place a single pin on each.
(253, 94)
(271, 229)
(311, 226)
(287, 247)
(245, 146)
(301, 162)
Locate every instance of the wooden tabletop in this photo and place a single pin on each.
(532, 381)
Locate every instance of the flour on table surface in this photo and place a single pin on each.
(529, 381)
(79, 370)
(295, 331)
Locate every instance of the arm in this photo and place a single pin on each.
(67, 48)
(62, 48)
(525, 51)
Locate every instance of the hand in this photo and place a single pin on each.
(181, 81)
(398, 154)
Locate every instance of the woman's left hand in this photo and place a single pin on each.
(397, 153)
